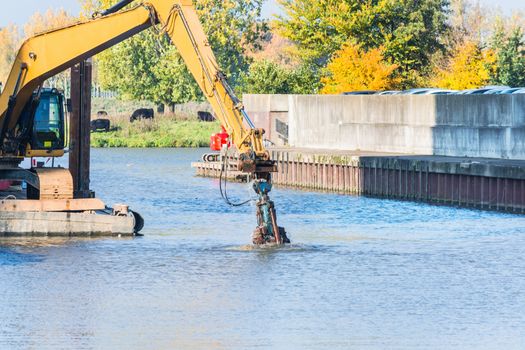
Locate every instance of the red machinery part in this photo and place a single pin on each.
(4, 185)
(220, 139)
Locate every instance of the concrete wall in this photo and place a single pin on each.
(491, 126)
(270, 112)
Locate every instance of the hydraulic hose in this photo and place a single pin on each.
(117, 7)
(224, 177)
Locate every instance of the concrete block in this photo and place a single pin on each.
(419, 140)
(376, 110)
(278, 103)
(261, 119)
(256, 103)
(455, 141)
(518, 110)
(475, 110)
(451, 125)
(493, 142)
(517, 143)
(418, 110)
(350, 136)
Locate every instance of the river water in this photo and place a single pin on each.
(362, 273)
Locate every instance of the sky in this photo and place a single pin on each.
(19, 11)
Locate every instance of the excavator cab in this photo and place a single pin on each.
(48, 129)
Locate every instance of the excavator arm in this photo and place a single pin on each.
(49, 53)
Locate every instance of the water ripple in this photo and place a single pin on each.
(362, 273)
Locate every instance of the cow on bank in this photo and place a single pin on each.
(205, 116)
(102, 115)
(141, 114)
(103, 125)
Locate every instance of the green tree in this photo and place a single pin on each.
(233, 27)
(510, 57)
(305, 80)
(147, 66)
(268, 77)
(410, 31)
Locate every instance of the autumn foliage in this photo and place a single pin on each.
(352, 68)
(327, 46)
(468, 68)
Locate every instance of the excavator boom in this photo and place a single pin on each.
(49, 53)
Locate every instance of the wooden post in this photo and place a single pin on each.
(79, 126)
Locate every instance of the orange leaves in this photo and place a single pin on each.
(353, 68)
(469, 67)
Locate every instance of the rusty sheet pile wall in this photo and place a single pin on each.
(480, 183)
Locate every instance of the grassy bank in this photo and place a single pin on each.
(162, 132)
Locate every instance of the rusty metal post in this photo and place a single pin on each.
(79, 128)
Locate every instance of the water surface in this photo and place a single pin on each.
(362, 273)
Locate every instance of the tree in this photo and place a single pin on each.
(147, 66)
(275, 70)
(275, 48)
(233, 28)
(352, 68)
(510, 57)
(469, 67)
(50, 20)
(410, 31)
(9, 41)
(268, 77)
(469, 21)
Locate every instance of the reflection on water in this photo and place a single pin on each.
(362, 273)
(40, 242)
(270, 248)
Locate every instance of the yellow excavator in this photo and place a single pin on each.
(32, 122)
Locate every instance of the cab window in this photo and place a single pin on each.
(48, 125)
